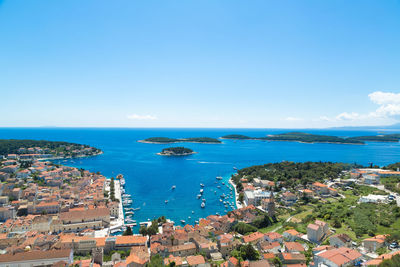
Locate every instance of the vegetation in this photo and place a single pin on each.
(244, 228)
(246, 252)
(236, 136)
(317, 138)
(166, 140)
(128, 231)
(391, 183)
(393, 166)
(393, 262)
(155, 261)
(11, 146)
(153, 229)
(176, 151)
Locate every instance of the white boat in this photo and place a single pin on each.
(173, 187)
(183, 221)
(235, 168)
(166, 201)
(192, 211)
(201, 191)
(202, 185)
(198, 196)
(129, 213)
(203, 205)
(204, 200)
(136, 209)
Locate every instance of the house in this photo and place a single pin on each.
(183, 250)
(270, 247)
(292, 258)
(337, 257)
(317, 231)
(254, 197)
(7, 213)
(227, 243)
(340, 240)
(127, 242)
(268, 204)
(47, 208)
(291, 235)
(197, 260)
(288, 198)
(253, 237)
(371, 178)
(177, 260)
(293, 247)
(373, 243)
(273, 237)
(23, 174)
(36, 258)
(79, 220)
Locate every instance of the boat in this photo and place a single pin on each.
(136, 208)
(129, 221)
(173, 187)
(198, 196)
(192, 211)
(129, 213)
(235, 168)
(183, 221)
(204, 200)
(202, 185)
(223, 196)
(218, 186)
(219, 177)
(129, 209)
(201, 191)
(127, 195)
(166, 201)
(203, 205)
(223, 183)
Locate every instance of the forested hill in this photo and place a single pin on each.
(12, 146)
(293, 173)
(317, 138)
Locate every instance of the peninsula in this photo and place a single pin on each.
(42, 149)
(167, 140)
(176, 151)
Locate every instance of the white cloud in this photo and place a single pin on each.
(345, 116)
(141, 117)
(389, 108)
(293, 119)
(383, 98)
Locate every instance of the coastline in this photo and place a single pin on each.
(297, 141)
(237, 203)
(70, 157)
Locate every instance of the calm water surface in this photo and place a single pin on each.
(149, 177)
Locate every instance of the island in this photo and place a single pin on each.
(298, 137)
(176, 151)
(167, 140)
(42, 149)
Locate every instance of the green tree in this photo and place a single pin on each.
(128, 231)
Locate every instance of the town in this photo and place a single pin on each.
(54, 215)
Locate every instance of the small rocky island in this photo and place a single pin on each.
(176, 151)
(167, 140)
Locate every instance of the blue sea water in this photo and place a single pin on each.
(149, 177)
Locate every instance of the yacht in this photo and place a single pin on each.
(201, 191)
(183, 221)
(235, 168)
(203, 205)
(192, 211)
(129, 213)
(199, 196)
(202, 185)
(173, 187)
(136, 208)
(166, 201)
(126, 195)
(219, 177)
(218, 186)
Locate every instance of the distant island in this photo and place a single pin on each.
(167, 140)
(317, 138)
(176, 151)
(297, 137)
(45, 149)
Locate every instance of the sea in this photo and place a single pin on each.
(149, 177)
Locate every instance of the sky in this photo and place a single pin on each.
(205, 63)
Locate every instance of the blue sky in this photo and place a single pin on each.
(199, 63)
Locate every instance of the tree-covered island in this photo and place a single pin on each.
(167, 140)
(176, 151)
(317, 138)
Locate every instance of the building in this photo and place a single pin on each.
(340, 240)
(288, 198)
(268, 204)
(373, 243)
(373, 199)
(255, 197)
(338, 257)
(7, 213)
(37, 258)
(317, 231)
(371, 178)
